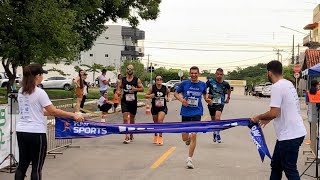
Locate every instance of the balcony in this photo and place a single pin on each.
(310, 42)
(130, 51)
(135, 34)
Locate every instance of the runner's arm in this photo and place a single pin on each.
(168, 94)
(140, 86)
(148, 94)
(119, 88)
(206, 98)
(228, 92)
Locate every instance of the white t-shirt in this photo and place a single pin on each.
(103, 87)
(101, 101)
(289, 124)
(85, 92)
(31, 106)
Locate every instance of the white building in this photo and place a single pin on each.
(117, 43)
(113, 46)
(238, 87)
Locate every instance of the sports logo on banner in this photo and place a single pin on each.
(5, 137)
(68, 128)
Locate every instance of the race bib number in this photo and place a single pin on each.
(159, 102)
(130, 97)
(216, 100)
(193, 102)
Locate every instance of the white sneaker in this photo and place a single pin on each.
(189, 164)
(126, 141)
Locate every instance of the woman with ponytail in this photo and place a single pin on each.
(31, 127)
(79, 88)
(313, 91)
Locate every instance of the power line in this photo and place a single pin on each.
(192, 49)
(243, 60)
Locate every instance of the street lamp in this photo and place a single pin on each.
(297, 61)
(295, 30)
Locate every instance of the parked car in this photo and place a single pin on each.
(4, 79)
(174, 87)
(170, 83)
(56, 82)
(266, 92)
(258, 89)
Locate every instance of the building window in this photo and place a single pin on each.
(106, 55)
(91, 55)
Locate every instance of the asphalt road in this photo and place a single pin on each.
(107, 158)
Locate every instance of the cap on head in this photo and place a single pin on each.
(36, 69)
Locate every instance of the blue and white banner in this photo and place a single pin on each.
(68, 128)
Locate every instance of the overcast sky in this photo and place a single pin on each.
(225, 34)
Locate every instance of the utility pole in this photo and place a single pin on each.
(151, 74)
(278, 54)
(292, 59)
(297, 60)
(148, 61)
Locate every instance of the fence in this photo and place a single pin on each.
(57, 144)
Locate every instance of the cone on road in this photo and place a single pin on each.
(147, 110)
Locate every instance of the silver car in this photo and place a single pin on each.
(56, 82)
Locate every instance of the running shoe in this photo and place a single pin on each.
(155, 139)
(218, 138)
(189, 164)
(160, 140)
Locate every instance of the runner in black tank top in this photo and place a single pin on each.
(129, 85)
(160, 95)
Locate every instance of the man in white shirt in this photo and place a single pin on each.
(103, 82)
(288, 123)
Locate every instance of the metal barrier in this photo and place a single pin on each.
(57, 144)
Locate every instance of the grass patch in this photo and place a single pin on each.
(53, 94)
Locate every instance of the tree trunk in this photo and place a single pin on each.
(94, 80)
(11, 75)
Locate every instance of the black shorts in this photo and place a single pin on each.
(129, 107)
(105, 107)
(214, 108)
(191, 118)
(156, 110)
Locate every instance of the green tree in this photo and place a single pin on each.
(138, 67)
(94, 68)
(288, 73)
(36, 31)
(41, 31)
(59, 71)
(252, 74)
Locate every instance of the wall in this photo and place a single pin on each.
(107, 48)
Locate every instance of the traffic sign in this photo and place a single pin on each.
(296, 75)
(296, 68)
(180, 73)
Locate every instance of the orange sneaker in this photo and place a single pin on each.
(160, 140)
(307, 141)
(155, 139)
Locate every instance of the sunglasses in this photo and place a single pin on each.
(159, 79)
(129, 69)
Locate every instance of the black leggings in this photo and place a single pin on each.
(32, 148)
(83, 101)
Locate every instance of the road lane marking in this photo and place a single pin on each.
(204, 117)
(162, 158)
